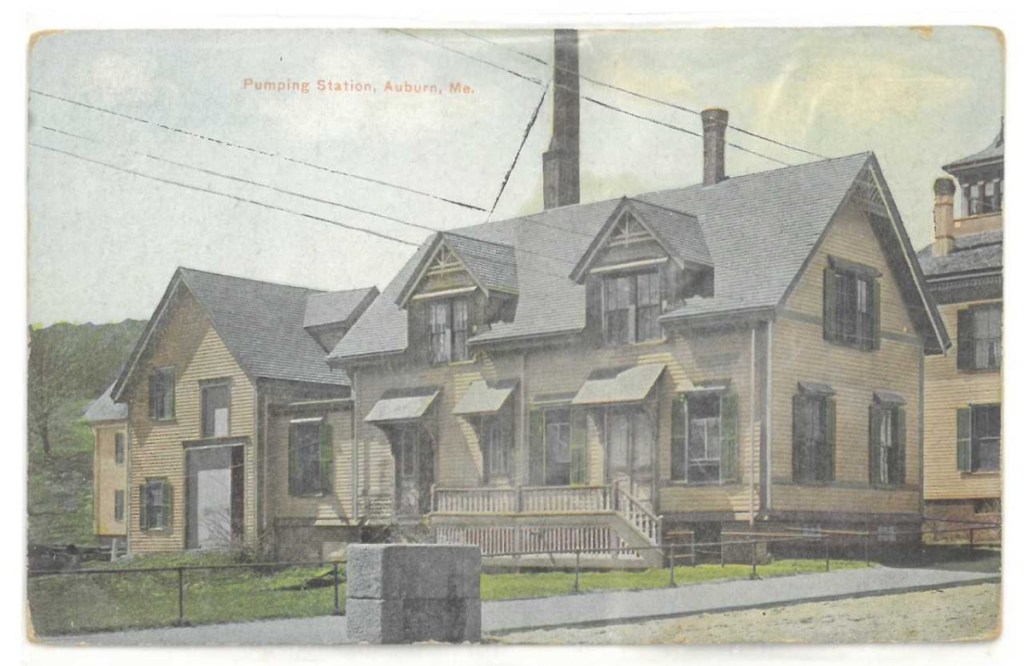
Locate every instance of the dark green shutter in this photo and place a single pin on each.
(876, 314)
(730, 438)
(168, 504)
(293, 462)
(900, 464)
(173, 389)
(594, 309)
(326, 458)
(828, 454)
(680, 426)
(964, 340)
(963, 439)
(829, 305)
(537, 448)
(874, 441)
(799, 437)
(143, 513)
(578, 447)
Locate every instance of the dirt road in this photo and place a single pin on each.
(952, 614)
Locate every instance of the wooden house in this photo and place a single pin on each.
(109, 424)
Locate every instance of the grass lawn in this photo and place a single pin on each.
(84, 603)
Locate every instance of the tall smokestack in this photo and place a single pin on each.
(715, 122)
(562, 160)
(943, 216)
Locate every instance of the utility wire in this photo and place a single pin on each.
(223, 194)
(257, 151)
(218, 174)
(519, 150)
(612, 107)
(641, 95)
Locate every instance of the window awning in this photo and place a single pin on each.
(889, 398)
(403, 405)
(481, 398)
(631, 384)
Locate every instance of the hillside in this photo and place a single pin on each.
(69, 366)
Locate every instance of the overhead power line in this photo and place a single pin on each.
(519, 150)
(240, 146)
(234, 197)
(634, 93)
(211, 172)
(606, 105)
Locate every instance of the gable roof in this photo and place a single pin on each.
(104, 408)
(991, 153)
(261, 323)
(679, 234)
(978, 252)
(759, 230)
(490, 264)
(337, 307)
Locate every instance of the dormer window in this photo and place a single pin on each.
(982, 197)
(448, 330)
(632, 304)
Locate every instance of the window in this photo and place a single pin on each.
(814, 427)
(119, 448)
(155, 504)
(216, 410)
(852, 305)
(496, 441)
(979, 338)
(119, 505)
(978, 438)
(310, 457)
(632, 305)
(704, 429)
(161, 394)
(887, 425)
(448, 330)
(550, 446)
(982, 197)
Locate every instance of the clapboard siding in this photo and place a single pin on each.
(801, 353)
(108, 477)
(189, 344)
(947, 389)
(338, 503)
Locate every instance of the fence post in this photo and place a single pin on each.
(337, 595)
(828, 555)
(721, 551)
(753, 560)
(576, 584)
(693, 551)
(672, 566)
(181, 596)
(970, 539)
(865, 540)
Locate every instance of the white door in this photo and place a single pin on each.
(210, 498)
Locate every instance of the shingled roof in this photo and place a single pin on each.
(759, 230)
(491, 264)
(978, 252)
(104, 408)
(261, 323)
(329, 308)
(991, 153)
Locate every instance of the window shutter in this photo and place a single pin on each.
(829, 305)
(680, 425)
(900, 464)
(594, 309)
(964, 340)
(152, 396)
(537, 448)
(578, 446)
(326, 458)
(293, 463)
(168, 505)
(829, 449)
(963, 439)
(876, 314)
(799, 437)
(874, 441)
(171, 390)
(730, 438)
(143, 513)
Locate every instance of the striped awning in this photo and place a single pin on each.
(482, 398)
(403, 405)
(632, 384)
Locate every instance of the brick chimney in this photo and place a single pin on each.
(562, 160)
(715, 123)
(943, 216)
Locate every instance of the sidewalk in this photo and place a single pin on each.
(583, 609)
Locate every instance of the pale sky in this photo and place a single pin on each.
(103, 244)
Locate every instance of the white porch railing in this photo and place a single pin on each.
(637, 515)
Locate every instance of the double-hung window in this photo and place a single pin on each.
(216, 409)
(119, 448)
(119, 505)
(704, 437)
(448, 330)
(978, 429)
(496, 434)
(155, 504)
(632, 305)
(979, 338)
(310, 457)
(161, 394)
(814, 433)
(852, 305)
(887, 455)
